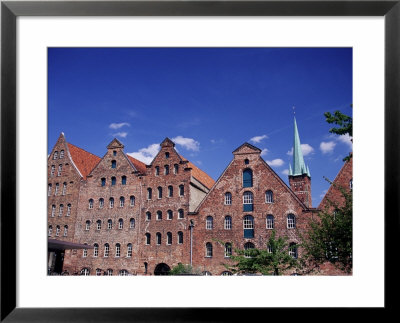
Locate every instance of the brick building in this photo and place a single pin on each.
(128, 218)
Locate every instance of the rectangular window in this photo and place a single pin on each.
(59, 170)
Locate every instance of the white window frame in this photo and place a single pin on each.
(209, 250)
(59, 170)
(270, 221)
(95, 250)
(269, 197)
(111, 202)
(98, 225)
(49, 189)
(91, 204)
(50, 230)
(131, 223)
(53, 170)
(58, 230)
(248, 197)
(87, 225)
(120, 224)
(228, 198)
(291, 221)
(121, 201)
(129, 250)
(61, 154)
(248, 222)
(61, 210)
(53, 210)
(56, 189)
(228, 222)
(101, 203)
(227, 250)
(69, 207)
(65, 230)
(209, 222)
(109, 224)
(181, 214)
(64, 189)
(117, 250)
(106, 250)
(84, 253)
(132, 200)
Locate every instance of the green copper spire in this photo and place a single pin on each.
(299, 168)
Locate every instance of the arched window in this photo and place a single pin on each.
(87, 225)
(148, 216)
(117, 250)
(228, 250)
(247, 201)
(158, 238)
(248, 246)
(209, 223)
(247, 178)
(132, 223)
(169, 215)
(157, 170)
(113, 181)
(57, 230)
(98, 224)
(85, 272)
(270, 221)
(106, 250)
(56, 190)
(113, 164)
(61, 154)
(248, 227)
(91, 204)
(180, 237)
(103, 181)
(120, 224)
(132, 200)
(228, 198)
(123, 272)
(60, 213)
(101, 203)
(50, 230)
(149, 193)
(59, 169)
(170, 191)
(129, 250)
(55, 156)
(181, 190)
(166, 170)
(111, 202)
(121, 201)
(293, 250)
(84, 253)
(109, 272)
(64, 190)
(98, 272)
(169, 238)
(226, 273)
(109, 224)
(176, 168)
(167, 155)
(95, 250)
(269, 197)
(209, 249)
(228, 223)
(53, 169)
(148, 238)
(49, 190)
(123, 180)
(68, 209)
(159, 215)
(180, 214)
(291, 221)
(53, 210)
(159, 190)
(65, 230)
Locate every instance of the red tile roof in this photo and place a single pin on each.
(141, 167)
(200, 175)
(83, 160)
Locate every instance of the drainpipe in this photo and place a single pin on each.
(191, 225)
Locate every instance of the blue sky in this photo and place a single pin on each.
(209, 101)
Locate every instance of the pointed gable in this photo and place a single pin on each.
(115, 144)
(246, 148)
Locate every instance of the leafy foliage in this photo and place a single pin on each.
(182, 269)
(329, 237)
(275, 260)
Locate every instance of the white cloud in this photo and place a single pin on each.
(188, 143)
(118, 125)
(285, 172)
(120, 134)
(258, 139)
(327, 147)
(275, 162)
(305, 148)
(264, 152)
(346, 139)
(146, 155)
(323, 193)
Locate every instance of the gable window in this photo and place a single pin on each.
(167, 155)
(121, 201)
(248, 227)
(114, 153)
(95, 250)
(148, 216)
(180, 237)
(113, 181)
(293, 250)
(98, 224)
(64, 190)
(91, 204)
(270, 221)
(123, 180)
(53, 210)
(57, 230)
(55, 156)
(169, 215)
(60, 213)
(248, 246)
(117, 250)
(291, 221)
(228, 250)
(247, 178)
(158, 238)
(106, 250)
(176, 168)
(180, 214)
(148, 238)
(59, 170)
(109, 224)
(170, 191)
(49, 190)
(120, 224)
(169, 238)
(113, 164)
(228, 198)
(50, 230)
(157, 170)
(61, 154)
(209, 250)
(65, 230)
(111, 202)
(159, 215)
(132, 223)
(269, 197)
(101, 203)
(68, 209)
(166, 170)
(181, 190)
(53, 169)
(228, 223)
(87, 225)
(149, 193)
(132, 200)
(129, 250)
(209, 223)
(159, 189)
(247, 201)
(246, 161)
(103, 181)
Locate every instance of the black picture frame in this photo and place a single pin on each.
(10, 10)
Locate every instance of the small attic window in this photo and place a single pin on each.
(114, 153)
(246, 161)
(167, 155)
(55, 156)
(113, 164)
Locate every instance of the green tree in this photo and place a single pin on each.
(329, 237)
(274, 260)
(344, 123)
(182, 269)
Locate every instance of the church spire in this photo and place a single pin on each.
(299, 167)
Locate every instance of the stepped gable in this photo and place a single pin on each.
(200, 175)
(83, 160)
(140, 166)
